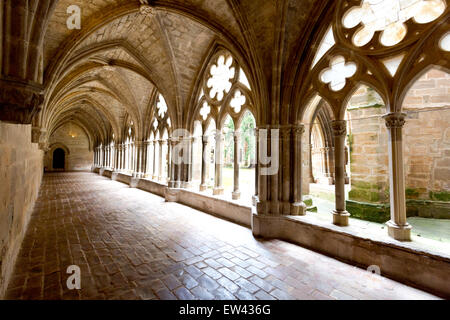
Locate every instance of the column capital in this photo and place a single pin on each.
(237, 135)
(19, 101)
(205, 139)
(285, 133)
(139, 144)
(394, 119)
(219, 135)
(298, 129)
(339, 128)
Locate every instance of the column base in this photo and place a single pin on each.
(218, 191)
(203, 187)
(114, 175)
(186, 185)
(400, 233)
(298, 208)
(236, 195)
(340, 218)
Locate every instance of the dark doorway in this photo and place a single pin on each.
(59, 157)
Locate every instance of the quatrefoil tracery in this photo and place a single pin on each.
(337, 73)
(389, 17)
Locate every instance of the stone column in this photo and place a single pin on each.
(340, 215)
(155, 147)
(255, 196)
(189, 165)
(138, 159)
(203, 185)
(236, 192)
(145, 169)
(298, 207)
(22, 32)
(160, 168)
(398, 228)
(218, 183)
(172, 167)
(286, 168)
(103, 157)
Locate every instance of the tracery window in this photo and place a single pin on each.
(225, 99)
(158, 150)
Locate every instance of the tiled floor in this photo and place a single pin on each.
(130, 244)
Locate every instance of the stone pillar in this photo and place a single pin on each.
(298, 207)
(145, 152)
(340, 215)
(103, 157)
(155, 147)
(22, 32)
(218, 183)
(139, 148)
(236, 192)
(189, 147)
(255, 196)
(160, 166)
(284, 192)
(116, 157)
(203, 185)
(398, 228)
(172, 166)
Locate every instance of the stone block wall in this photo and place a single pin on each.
(21, 169)
(368, 147)
(426, 151)
(74, 139)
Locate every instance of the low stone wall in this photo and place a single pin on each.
(152, 186)
(380, 212)
(107, 173)
(376, 212)
(222, 208)
(124, 178)
(21, 170)
(404, 262)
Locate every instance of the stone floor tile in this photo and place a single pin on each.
(130, 244)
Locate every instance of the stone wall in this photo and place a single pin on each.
(75, 142)
(427, 151)
(21, 164)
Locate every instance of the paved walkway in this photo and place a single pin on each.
(130, 244)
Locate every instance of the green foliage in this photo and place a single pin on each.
(247, 139)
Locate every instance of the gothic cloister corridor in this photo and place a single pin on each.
(224, 150)
(130, 244)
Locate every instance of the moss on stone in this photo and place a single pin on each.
(440, 196)
(411, 193)
(368, 211)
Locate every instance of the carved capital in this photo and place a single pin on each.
(35, 134)
(394, 119)
(19, 102)
(285, 133)
(339, 128)
(298, 130)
